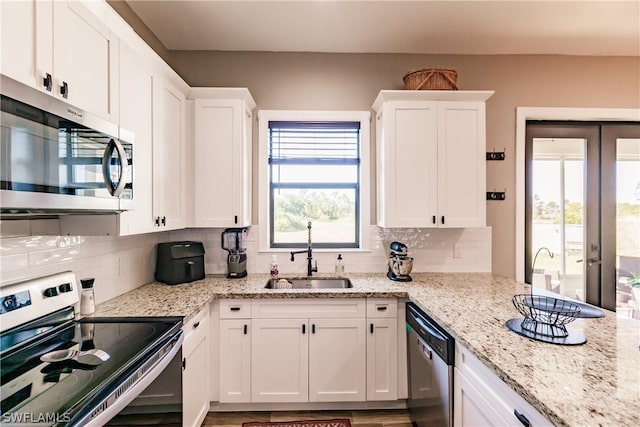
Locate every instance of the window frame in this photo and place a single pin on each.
(265, 203)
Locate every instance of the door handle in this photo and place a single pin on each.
(525, 422)
(47, 82)
(64, 90)
(591, 261)
(114, 190)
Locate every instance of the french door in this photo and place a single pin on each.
(582, 205)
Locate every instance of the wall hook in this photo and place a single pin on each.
(496, 155)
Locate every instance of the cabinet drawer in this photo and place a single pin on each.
(196, 329)
(382, 307)
(311, 308)
(235, 309)
(502, 398)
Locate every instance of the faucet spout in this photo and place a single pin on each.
(309, 251)
(533, 265)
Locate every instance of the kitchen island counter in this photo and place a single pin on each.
(597, 383)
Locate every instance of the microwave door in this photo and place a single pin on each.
(30, 160)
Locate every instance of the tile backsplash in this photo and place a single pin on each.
(437, 250)
(120, 264)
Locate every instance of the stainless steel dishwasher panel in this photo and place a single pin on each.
(430, 371)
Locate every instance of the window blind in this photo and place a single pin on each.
(314, 142)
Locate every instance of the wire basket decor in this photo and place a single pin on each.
(545, 315)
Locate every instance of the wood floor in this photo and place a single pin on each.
(368, 418)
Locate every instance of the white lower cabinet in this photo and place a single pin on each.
(195, 354)
(306, 350)
(235, 360)
(280, 360)
(337, 360)
(382, 359)
(480, 398)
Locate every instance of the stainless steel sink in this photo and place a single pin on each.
(310, 283)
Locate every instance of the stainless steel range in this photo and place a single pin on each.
(56, 370)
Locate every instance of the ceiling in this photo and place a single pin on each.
(583, 27)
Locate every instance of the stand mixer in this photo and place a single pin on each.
(400, 264)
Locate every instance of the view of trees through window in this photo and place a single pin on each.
(332, 213)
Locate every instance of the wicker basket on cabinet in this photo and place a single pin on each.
(431, 79)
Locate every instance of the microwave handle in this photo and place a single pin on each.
(106, 160)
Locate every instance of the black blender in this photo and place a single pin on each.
(231, 241)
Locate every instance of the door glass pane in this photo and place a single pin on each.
(627, 226)
(558, 188)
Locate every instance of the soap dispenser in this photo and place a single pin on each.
(339, 269)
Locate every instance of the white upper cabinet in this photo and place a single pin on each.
(25, 25)
(169, 201)
(84, 59)
(430, 149)
(222, 157)
(136, 115)
(62, 48)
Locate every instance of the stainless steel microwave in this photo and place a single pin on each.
(55, 158)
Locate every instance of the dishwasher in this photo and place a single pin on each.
(431, 358)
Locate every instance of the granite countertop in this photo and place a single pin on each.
(597, 383)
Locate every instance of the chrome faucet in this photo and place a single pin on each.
(310, 268)
(533, 265)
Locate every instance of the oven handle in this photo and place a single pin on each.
(125, 398)
(106, 163)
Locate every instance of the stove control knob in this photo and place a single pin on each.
(50, 292)
(65, 287)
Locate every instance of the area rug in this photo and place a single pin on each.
(343, 422)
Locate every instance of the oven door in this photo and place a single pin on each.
(154, 387)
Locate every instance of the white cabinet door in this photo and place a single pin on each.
(136, 115)
(337, 360)
(431, 162)
(195, 352)
(470, 407)
(84, 59)
(481, 398)
(169, 207)
(222, 163)
(280, 360)
(65, 41)
(26, 33)
(382, 359)
(461, 164)
(235, 360)
(408, 164)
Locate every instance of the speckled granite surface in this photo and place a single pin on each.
(589, 385)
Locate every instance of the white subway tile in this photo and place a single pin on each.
(14, 228)
(53, 256)
(45, 227)
(16, 262)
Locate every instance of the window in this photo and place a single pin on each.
(312, 166)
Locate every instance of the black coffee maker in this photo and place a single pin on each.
(231, 241)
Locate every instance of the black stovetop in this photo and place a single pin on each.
(31, 386)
